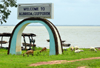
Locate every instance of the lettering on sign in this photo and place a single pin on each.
(43, 10)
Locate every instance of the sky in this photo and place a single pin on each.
(66, 12)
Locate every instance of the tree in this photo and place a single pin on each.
(4, 11)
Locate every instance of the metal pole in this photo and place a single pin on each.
(24, 41)
(30, 43)
(33, 43)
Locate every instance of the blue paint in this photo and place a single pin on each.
(14, 38)
(13, 43)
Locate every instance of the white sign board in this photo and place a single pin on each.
(43, 10)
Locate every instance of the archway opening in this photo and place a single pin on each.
(41, 35)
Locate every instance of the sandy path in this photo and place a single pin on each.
(61, 61)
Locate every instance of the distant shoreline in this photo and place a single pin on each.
(55, 25)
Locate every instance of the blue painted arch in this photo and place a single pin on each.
(15, 40)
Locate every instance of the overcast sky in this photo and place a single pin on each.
(66, 12)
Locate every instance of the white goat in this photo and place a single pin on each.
(76, 47)
(72, 48)
(93, 49)
(77, 51)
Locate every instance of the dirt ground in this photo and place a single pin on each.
(62, 61)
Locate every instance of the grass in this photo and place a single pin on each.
(18, 61)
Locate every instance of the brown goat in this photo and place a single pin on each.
(43, 49)
(29, 52)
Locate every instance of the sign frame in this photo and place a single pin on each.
(42, 10)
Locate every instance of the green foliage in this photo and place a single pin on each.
(18, 61)
(4, 11)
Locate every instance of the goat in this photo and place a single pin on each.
(43, 49)
(76, 47)
(77, 51)
(93, 49)
(72, 48)
(28, 52)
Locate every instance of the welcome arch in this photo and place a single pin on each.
(55, 39)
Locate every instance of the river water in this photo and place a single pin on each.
(81, 36)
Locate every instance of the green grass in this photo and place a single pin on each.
(18, 61)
